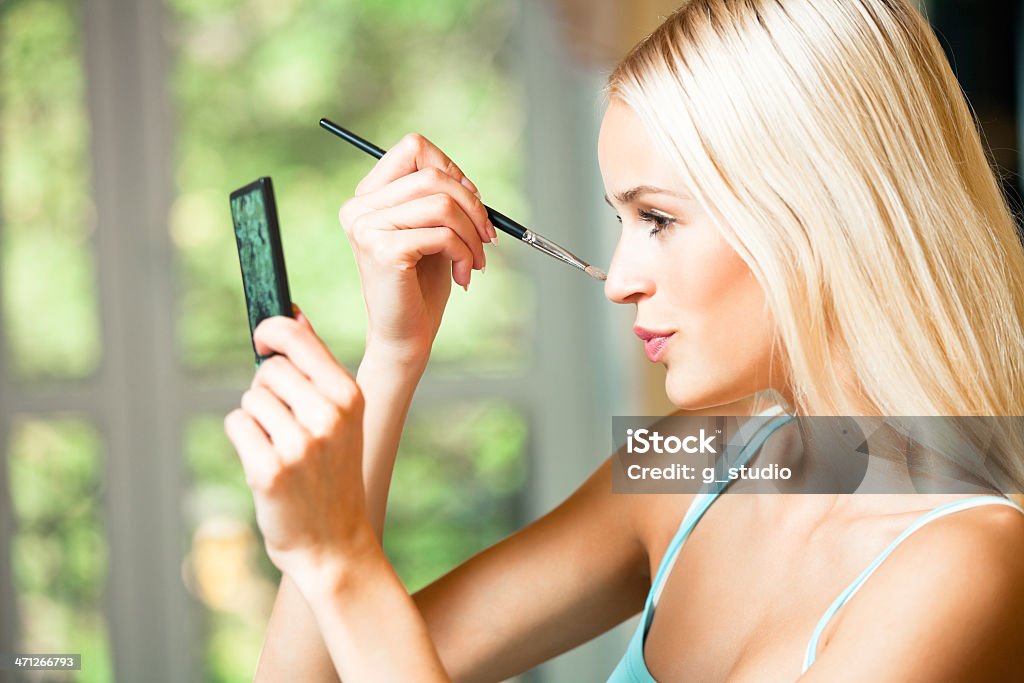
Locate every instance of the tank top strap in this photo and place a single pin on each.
(702, 500)
(851, 590)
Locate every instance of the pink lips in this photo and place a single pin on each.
(654, 341)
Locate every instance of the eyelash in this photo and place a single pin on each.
(661, 222)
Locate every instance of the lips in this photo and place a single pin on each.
(654, 341)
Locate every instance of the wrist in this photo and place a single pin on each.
(335, 575)
(404, 361)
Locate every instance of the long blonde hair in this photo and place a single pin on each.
(844, 165)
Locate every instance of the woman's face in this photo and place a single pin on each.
(686, 282)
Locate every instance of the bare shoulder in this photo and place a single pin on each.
(947, 604)
(978, 550)
(656, 516)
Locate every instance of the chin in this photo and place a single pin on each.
(686, 394)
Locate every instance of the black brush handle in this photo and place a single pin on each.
(499, 219)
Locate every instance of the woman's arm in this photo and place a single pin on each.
(406, 274)
(567, 577)
(293, 647)
(571, 575)
(299, 437)
(371, 627)
(564, 579)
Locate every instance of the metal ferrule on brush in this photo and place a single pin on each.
(552, 249)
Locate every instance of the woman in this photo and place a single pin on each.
(808, 219)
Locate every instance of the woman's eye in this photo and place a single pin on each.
(660, 220)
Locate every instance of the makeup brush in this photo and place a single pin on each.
(500, 220)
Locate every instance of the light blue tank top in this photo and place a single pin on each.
(633, 669)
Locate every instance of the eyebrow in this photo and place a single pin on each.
(627, 196)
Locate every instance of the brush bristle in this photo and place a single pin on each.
(595, 273)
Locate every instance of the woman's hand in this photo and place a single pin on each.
(299, 436)
(415, 223)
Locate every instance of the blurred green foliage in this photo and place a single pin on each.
(59, 553)
(50, 307)
(250, 81)
(455, 487)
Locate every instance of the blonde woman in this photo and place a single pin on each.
(808, 219)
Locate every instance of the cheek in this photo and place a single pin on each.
(721, 306)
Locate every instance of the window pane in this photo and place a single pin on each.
(49, 274)
(251, 80)
(59, 554)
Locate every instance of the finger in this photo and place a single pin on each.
(286, 433)
(412, 153)
(437, 210)
(304, 351)
(403, 249)
(301, 317)
(260, 461)
(298, 397)
(423, 183)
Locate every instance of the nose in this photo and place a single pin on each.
(629, 276)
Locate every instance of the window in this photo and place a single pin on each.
(123, 126)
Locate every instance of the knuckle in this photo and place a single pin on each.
(231, 420)
(359, 227)
(247, 399)
(271, 366)
(254, 481)
(413, 141)
(330, 420)
(453, 170)
(380, 250)
(433, 175)
(259, 480)
(293, 445)
(350, 396)
(444, 203)
(271, 480)
(292, 334)
(347, 213)
(269, 326)
(480, 209)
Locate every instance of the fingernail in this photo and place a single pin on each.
(483, 269)
(470, 186)
(491, 230)
(466, 286)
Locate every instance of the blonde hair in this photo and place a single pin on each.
(832, 143)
